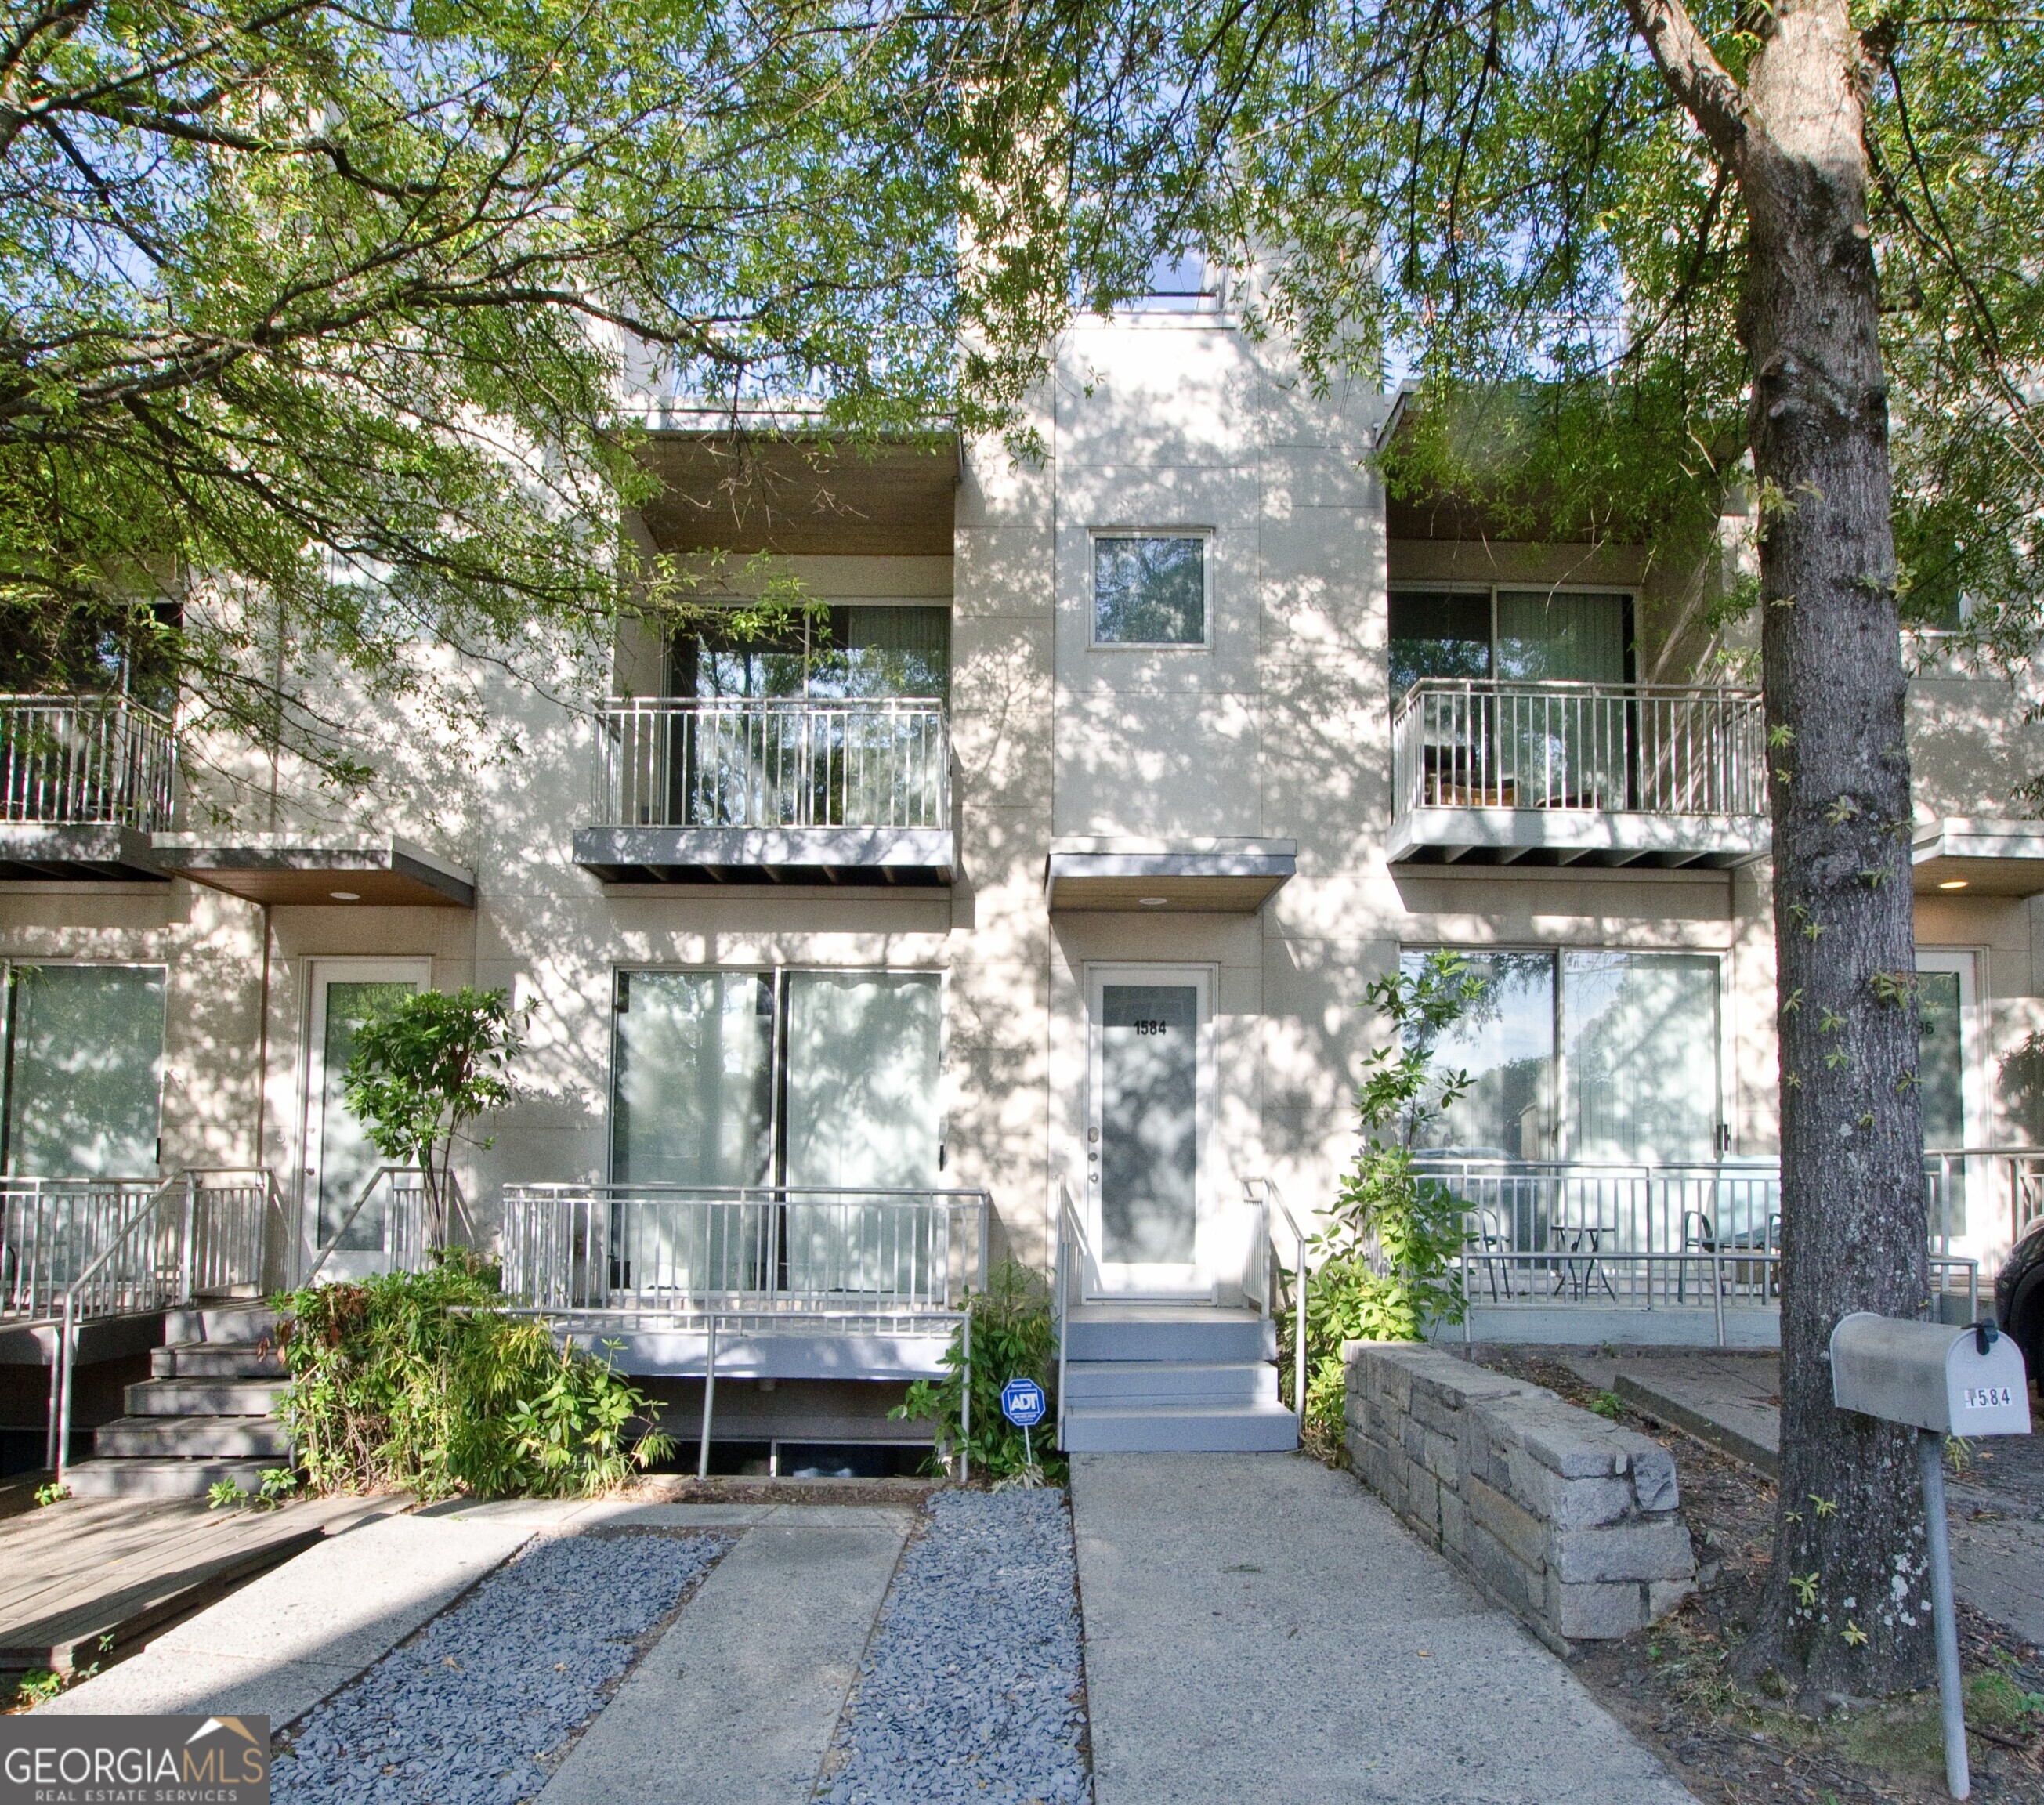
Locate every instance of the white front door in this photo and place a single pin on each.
(339, 1160)
(1948, 1088)
(1149, 1108)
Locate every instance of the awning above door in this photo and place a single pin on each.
(283, 868)
(1229, 877)
(1962, 857)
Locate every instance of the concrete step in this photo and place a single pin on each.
(1129, 1383)
(215, 1360)
(221, 1322)
(204, 1397)
(189, 1437)
(1175, 1333)
(161, 1478)
(1162, 1429)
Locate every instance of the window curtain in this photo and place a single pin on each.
(1546, 636)
(1564, 749)
(1639, 1033)
(85, 1071)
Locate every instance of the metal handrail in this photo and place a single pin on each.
(1069, 1239)
(1660, 749)
(1272, 1205)
(199, 1260)
(1577, 1271)
(87, 760)
(683, 1252)
(49, 1227)
(395, 1243)
(58, 1431)
(766, 762)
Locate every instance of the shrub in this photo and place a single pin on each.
(1386, 1261)
(420, 1380)
(1012, 1338)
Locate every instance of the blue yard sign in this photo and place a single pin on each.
(1022, 1403)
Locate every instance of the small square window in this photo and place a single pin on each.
(1149, 589)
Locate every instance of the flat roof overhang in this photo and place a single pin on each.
(1558, 837)
(867, 857)
(1221, 877)
(282, 869)
(781, 486)
(1978, 858)
(104, 851)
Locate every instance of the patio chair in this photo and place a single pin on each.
(1490, 1244)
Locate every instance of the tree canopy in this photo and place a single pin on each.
(324, 321)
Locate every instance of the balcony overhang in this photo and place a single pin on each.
(98, 852)
(1962, 857)
(1147, 877)
(282, 869)
(870, 857)
(1578, 837)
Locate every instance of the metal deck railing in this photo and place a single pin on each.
(773, 762)
(1585, 747)
(86, 760)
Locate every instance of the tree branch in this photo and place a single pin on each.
(1712, 98)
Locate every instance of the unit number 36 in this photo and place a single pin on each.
(1153, 1027)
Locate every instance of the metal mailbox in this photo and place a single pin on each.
(1941, 1381)
(1951, 1381)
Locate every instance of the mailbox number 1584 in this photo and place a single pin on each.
(1989, 1397)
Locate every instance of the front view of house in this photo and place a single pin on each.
(1020, 896)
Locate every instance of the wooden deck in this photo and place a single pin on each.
(88, 1580)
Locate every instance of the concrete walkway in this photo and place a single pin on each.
(735, 1705)
(1258, 1628)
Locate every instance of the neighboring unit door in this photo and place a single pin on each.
(1150, 1100)
(1946, 1077)
(339, 1160)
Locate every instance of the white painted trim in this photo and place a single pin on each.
(1206, 534)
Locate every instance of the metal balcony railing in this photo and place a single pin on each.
(86, 760)
(773, 762)
(1586, 747)
(784, 1257)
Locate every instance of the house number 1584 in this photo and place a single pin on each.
(1153, 1027)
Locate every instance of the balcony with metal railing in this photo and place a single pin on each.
(1565, 774)
(772, 789)
(84, 781)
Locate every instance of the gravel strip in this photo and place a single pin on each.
(477, 1708)
(970, 1689)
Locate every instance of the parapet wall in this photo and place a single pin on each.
(1569, 1521)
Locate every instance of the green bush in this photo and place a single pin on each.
(1386, 1261)
(1012, 1338)
(420, 1381)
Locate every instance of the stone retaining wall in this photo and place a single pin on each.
(1569, 1521)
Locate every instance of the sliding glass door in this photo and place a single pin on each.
(84, 1070)
(777, 1081)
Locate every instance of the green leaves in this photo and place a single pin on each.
(420, 1381)
(1012, 1337)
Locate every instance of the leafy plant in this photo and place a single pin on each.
(1384, 1266)
(425, 1066)
(1012, 1338)
(420, 1380)
(38, 1686)
(224, 1494)
(51, 1493)
(1608, 1405)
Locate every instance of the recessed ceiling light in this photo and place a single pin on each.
(1154, 902)
(345, 896)
(1952, 883)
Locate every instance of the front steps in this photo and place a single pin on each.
(205, 1415)
(1172, 1378)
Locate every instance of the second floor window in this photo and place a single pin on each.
(1150, 588)
(865, 649)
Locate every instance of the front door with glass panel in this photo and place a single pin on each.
(1149, 1103)
(340, 1161)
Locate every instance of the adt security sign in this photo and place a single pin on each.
(1022, 1403)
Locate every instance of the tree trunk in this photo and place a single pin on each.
(1849, 1594)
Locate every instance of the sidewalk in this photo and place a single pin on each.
(1258, 1628)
